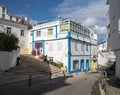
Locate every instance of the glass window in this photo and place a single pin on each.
(38, 33)
(86, 47)
(22, 32)
(10, 17)
(75, 64)
(8, 30)
(64, 26)
(3, 16)
(17, 19)
(3, 9)
(50, 31)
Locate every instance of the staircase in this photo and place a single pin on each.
(31, 68)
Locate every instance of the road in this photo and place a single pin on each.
(80, 84)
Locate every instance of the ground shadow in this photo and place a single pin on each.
(112, 82)
(39, 86)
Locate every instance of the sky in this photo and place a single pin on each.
(90, 13)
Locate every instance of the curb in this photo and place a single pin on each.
(101, 90)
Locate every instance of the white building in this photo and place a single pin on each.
(104, 56)
(113, 27)
(67, 42)
(18, 25)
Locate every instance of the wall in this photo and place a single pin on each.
(58, 49)
(24, 41)
(114, 36)
(118, 64)
(8, 59)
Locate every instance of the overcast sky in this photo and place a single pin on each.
(90, 13)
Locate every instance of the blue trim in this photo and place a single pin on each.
(32, 40)
(90, 47)
(83, 46)
(69, 52)
(77, 36)
(82, 65)
(56, 31)
(87, 65)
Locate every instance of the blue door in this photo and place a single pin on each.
(82, 65)
(87, 65)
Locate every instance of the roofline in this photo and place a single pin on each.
(10, 14)
(2, 4)
(1, 19)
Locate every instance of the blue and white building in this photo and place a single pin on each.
(65, 41)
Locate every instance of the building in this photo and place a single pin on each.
(65, 41)
(105, 57)
(18, 25)
(113, 28)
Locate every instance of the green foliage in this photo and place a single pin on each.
(8, 42)
(57, 64)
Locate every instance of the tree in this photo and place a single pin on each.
(8, 42)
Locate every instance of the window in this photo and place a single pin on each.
(82, 47)
(17, 19)
(22, 32)
(50, 46)
(38, 33)
(64, 26)
(3, 16)
(3, 9)
(50, 31)
(75, 64)
(10, 17)
(76, 46)
(86, 47)
(59, 46)
(8, 30)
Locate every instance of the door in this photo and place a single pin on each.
(82, 65)
(87, 65)
(38, 48)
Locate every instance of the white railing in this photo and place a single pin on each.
(8, 59)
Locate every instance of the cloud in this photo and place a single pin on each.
(32, 22)
(101, 32)
(88, 12)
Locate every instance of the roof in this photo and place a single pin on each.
(2, 5)
(14, 15)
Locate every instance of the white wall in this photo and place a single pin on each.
(118, 64)
(8, 59)
(114, 37)
(16, 29)
(59, 50)
(77, 51)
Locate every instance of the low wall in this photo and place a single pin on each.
(8, 59)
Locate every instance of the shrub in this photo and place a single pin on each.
(8, 42)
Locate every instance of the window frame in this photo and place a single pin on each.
(8, 30)
(22, 33)
(77, 62)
